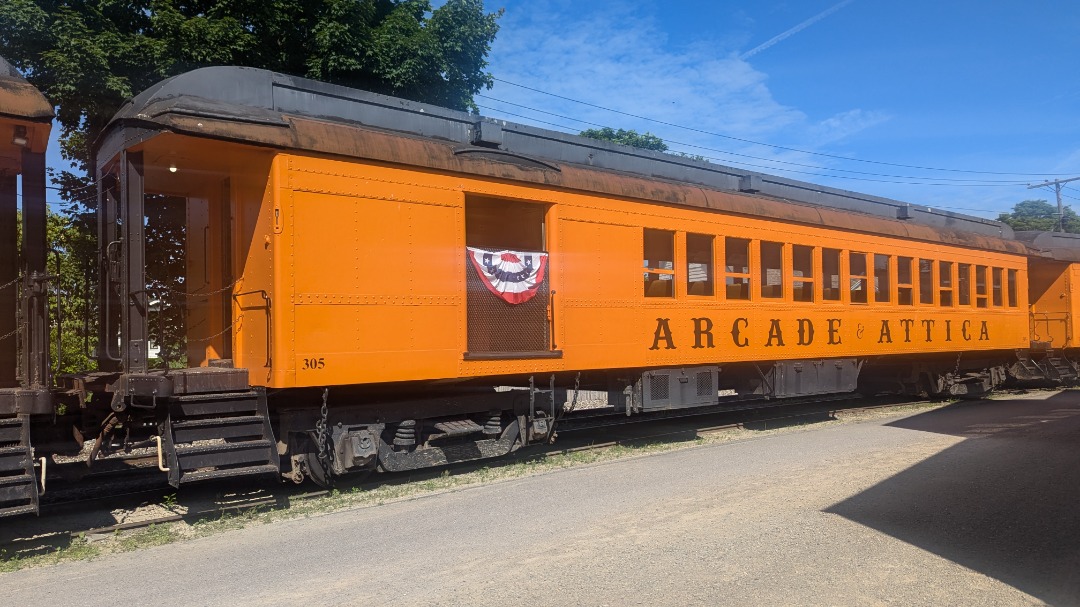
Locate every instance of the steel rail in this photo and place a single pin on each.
(716, 421)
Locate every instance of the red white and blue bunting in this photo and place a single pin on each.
(513, 276)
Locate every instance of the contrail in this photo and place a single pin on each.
(795, 30)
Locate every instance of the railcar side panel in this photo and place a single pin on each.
(376, 282)
(1051, 302)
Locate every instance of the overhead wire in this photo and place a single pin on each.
(770, 145)
(937, 182)
(770, 160)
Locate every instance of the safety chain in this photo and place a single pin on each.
(573, 402)
(956, 371)
(8, 284)
(206, 294)
(7, 335)
(321, 437)
(566, 409)
(219, 333)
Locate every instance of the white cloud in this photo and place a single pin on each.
(842, 125)
(617, 57)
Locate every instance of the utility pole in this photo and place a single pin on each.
(1057, 183)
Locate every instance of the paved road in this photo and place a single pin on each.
(971, 505)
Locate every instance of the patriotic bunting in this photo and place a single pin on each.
(513, 276)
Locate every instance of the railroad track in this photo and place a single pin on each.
(579, 434)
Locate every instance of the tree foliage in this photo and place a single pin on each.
(88, 57)
(646, 141)
(1040, 215)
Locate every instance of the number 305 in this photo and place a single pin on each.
(314, 363)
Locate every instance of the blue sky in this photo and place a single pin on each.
(849, 87)
(987, 90)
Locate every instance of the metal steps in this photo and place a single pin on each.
(1051, 366)
(18, 482)
(214, 436)
(1059, 368)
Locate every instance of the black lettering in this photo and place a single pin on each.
(928, 324)
(906, 323)
(736, 333)
(775, 334)
(703, 328)
(964, 330)
(806, 332)
(886, 334)
(984, 332)
(948, 330)
(663, 331)
(834, 331)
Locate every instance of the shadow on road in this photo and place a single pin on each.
(1005, 502)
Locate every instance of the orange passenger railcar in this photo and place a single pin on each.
(370, 283)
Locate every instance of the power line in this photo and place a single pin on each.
(1057, 183)
(781, 169)
(771, 145)
(771, 160)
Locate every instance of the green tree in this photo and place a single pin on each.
(1040, 215)
(89, 57)
(646, 141)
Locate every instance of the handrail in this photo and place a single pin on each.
(269, 324)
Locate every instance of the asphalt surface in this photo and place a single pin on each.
(973, 504)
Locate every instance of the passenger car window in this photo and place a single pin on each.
(737, 268)
(772, 269)
(699, 264)
(857, 277)
(926, 281)
(802, 266)
(882, 286)
(963, 284)
(904, 295)
(659, 248)
(830, 274)
(945, 283)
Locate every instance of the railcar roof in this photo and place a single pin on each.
(19, 99)
(267, 108)
(1059, 246)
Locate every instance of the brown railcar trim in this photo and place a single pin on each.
(336, 139)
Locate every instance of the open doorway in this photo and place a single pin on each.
(507, 278)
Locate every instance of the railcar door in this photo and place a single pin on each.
(507, 268)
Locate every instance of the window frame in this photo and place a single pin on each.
(747, 276)
(650, 269)
(801, 280)
(710, 281)
(851, 276)
(783, 271)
